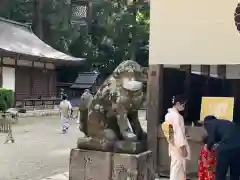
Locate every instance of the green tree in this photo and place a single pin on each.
(110, 40)
(17, 10)
(49, 19)
(113, 26)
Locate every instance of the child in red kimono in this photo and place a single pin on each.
(206, 163)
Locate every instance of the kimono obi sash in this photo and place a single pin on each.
(167, 131)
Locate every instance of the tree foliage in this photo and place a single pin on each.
(117, 30)
(56, 29)
(114, 25)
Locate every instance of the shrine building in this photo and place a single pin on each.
(27, 63)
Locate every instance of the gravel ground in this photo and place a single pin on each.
(40, 149)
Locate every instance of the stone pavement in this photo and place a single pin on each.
(64, 176)
(40, 149)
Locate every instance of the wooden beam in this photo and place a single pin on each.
(154, 108)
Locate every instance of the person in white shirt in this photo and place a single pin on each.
(179, 150)
(65, 113)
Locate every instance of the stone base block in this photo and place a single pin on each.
(133, 167)
(97, 165)
(126, 147)
(91, 165)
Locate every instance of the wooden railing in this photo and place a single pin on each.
(39, 103)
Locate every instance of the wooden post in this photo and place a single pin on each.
(154, 108)
(31, 78)
(15, 67)
(49, 74)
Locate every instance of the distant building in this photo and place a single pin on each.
(87, 80)
(84, 80)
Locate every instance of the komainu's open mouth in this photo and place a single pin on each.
(132, 85)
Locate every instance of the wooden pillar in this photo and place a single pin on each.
(49, 74)
(154, 108)
(15, 67)
(205, 71)
(31, 78)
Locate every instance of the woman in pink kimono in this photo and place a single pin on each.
(179, 150)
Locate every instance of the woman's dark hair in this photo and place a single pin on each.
(179, 99)
(64, 97)
(209, 118)
(204, 139)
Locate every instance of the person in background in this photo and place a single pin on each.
(226, 134)
(179, 150)
(207, 162)
(85, 102)
(62, 93)
(65, 113)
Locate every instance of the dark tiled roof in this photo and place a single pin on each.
(18, 38)
(85, 80)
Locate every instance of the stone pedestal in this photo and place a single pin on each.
(133, 167)
(97, 165)
(89, 165)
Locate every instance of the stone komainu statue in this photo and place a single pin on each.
(113, 111)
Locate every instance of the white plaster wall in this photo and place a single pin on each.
(8, 78)
(193, 32)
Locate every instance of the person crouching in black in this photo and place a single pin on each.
(226, 134)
